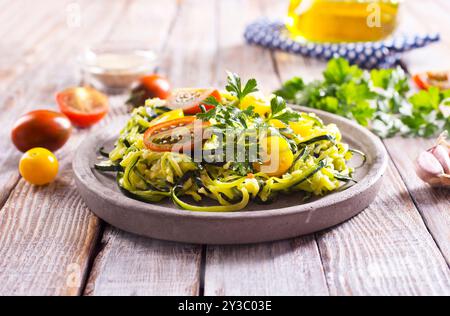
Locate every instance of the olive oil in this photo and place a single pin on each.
(342, 20)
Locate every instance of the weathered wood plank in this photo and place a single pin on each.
(433, 203)
(24, 39)
(385, 250)
(189, 57)
(47, 233)
(133, 265)
(45, 244)
(234, 54)
(290, 267)
(129, 264)
(9, 17)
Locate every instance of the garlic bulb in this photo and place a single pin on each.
(433, 165)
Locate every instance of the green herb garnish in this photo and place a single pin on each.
(379, 99)
(234, 86)
(280, 111)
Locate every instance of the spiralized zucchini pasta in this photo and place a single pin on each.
(231, 146)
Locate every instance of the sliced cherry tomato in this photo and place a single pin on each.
(152, 86)
(178, 135)
(83, 106)
(190, 99)
(420, 81)
(429, 79)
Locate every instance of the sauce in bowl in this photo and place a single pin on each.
(115, 66)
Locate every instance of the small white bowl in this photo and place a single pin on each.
(115, 66)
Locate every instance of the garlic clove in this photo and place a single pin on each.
(433, 165)
(442, 155)
(442, 140)
(428, 168)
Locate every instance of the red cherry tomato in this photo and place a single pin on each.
(84, 106)
(152, 86)
(41, 128)
(429, 79)
(175, 135)
(156, 86)
(190, 99)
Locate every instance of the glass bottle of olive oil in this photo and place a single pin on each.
(342, 20)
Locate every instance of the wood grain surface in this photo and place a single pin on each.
(48, 233)
(433, 203)
(51, 244)
(385, 250)
(131, 265)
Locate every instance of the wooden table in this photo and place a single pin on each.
(51, 244)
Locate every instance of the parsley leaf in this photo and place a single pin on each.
(277, 105)
(234, 86)
(290, 88)
(210, 101)
(280, 111)
(339, 71)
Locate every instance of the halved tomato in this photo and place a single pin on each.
(84, 106)
(429, 79)
(190, 99)
(178, 135)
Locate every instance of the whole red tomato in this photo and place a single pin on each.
(156, 86)
(41, 128)
(152, 86)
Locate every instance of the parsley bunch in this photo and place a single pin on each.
(379, 99)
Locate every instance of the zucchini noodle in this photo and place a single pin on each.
(313, 160)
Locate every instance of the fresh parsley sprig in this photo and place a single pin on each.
(211, 101)
(280, 111)
(234, 86)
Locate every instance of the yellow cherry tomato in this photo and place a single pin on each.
(38, 166)
(168, 116)
(277, 156)
(277, 123)
(259, 103)
(302, 127)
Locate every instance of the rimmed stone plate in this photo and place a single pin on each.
(285, 218)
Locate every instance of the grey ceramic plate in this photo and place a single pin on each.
(287, 217)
